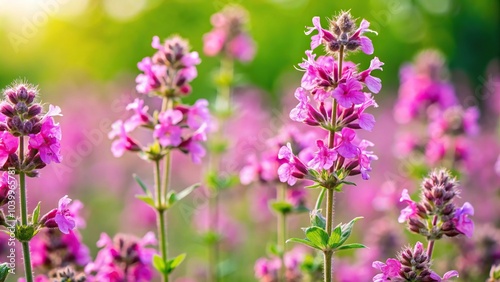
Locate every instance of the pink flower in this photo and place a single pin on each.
(193, 144)
(168, 132)
(152, 77)
(8, 146)
(198, 114)
(446, 276)
(390, 269)
(365, 158)
(365, 42)
(410, 210)
(323, 34)
(462, 221)
(323, 158)
(48, 141)
(286, 170)
(349, 93)
(345, 147)
(242, 48)
(4, 188)
(267, 269)
(374, 84)
(124, 141)
(140, 116)
(213, 42)
(299, 113)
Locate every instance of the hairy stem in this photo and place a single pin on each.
(24, 213)
(327, 266)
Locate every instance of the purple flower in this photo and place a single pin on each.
(61, 216)
(349, 93)
(461, 220)
(286, 170)
(140, 116)
(8, 146)
(390, 269)
(446, 276)
(323, 34)
(124, 141)
(267, 269)
(152, 77)
(299, 113)
(365, 158)
(194, 147)
(374, 84)
(48, 141)
(168, 132)
(323, 158)
(198, 114)
(345, 148)
(410, 210)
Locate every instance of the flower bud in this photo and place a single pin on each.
(7, 110)
(34, 110)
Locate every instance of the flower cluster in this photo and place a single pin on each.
(123, 258)
(21, 115)
(183, 127)
(429, 100)
(332, 97)
(436, 214)
(229, 36)
(410, 265)
(170, 70)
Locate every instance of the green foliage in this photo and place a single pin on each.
(169, 266)
(36, 214)
(218, 182)
(4, 271)
(317, 237)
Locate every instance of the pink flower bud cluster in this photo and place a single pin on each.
(436, 214)
(21, 115)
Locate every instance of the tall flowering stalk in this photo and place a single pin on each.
(166, 76)
(229, 40)
(433, 217)
(29, 141)
(332, 97)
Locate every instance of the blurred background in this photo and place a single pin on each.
(83, 54)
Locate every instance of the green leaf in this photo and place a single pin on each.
(348, 183)
(317, 219)
(302, 241)
(147, 199)
(210, 238)
(282, 207)
(159, 263)
(351, 246)
(36, 214)
(171, 198)
(300, 209)
(173, 263)
(141, 184)
(184, 193)
(314, 186)
(346, 229)
(333, 242)
(317, 236)
(4, 271)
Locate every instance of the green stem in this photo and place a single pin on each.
(319, 201)
(24, 212)
(160, 209)
(282, 233)
(327, 266)
(430, 246)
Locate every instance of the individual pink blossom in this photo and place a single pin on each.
(140, 116)
(345, 147)
(48, 141)
(286, 170)
(63, 217)
(4, 188)
(8, 146)
(299, 113)
(390, 270)
(324, 157)
(349, 93)
(152, 77)
(374, 84)
(124, 141)
(410, 210)
(167, 131)
(198, 114)
(365, 158)
(194, 144)
(462, 221)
